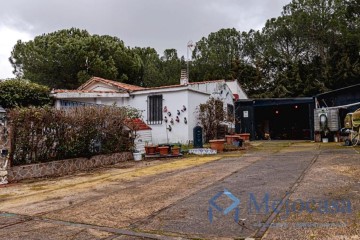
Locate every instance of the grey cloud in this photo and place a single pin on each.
(156, 23)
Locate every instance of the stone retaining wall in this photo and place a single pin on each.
(64, 167)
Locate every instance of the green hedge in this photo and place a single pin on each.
(23, 93)
(46, 134)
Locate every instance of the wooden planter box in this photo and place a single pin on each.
(217, 144)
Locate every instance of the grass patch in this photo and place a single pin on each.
(37, 188)
(2, 196)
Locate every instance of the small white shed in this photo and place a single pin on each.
(142, 133)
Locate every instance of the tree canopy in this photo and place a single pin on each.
(67, 58)
(313, 46)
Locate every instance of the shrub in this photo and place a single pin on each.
(23, 93)
(46, 134)
(210, 115)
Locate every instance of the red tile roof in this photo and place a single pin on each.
(123, 86)
(137, 124)
(120, 85)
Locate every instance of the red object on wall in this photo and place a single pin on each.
(137, 124)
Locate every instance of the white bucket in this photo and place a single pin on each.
(137, 156)
(325, 140)
(336, 139)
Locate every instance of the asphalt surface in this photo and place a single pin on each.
(261, 183)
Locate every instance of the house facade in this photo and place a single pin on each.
(170, 111)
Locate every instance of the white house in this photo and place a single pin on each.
(170, 111)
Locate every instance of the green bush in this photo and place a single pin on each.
(23, 93)
(46, 134)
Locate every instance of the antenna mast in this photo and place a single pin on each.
(190, 45)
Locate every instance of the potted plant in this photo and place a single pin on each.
(164, 150)
(150, 150)
(230, 139)
(217, 144)
(244, 136)
(175, 150)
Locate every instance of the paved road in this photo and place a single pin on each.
(170, 200)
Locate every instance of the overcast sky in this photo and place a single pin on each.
(160, 24)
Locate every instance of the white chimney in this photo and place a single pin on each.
(184, 78)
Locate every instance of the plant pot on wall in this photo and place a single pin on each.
(217, 144)
(164, 150)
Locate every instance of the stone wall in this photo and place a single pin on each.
(64, 167)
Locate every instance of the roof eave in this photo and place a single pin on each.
(66, 95)
(167, 89)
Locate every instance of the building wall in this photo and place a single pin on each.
(194, 101)
(173, 101)
(100, 87)
(212, 88)
(236, 89)
(143, 137)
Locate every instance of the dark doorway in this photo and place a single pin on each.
(285, 122)
(276, 118)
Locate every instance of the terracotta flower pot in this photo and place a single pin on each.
(150, 150)
(231, 138)
(244, 136)
(217, 144)
(175, 151)
(164, 150)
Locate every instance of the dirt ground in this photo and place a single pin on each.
(169, 199)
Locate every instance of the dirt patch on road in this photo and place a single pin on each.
(351, 171)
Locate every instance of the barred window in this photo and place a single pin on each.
(154, 111)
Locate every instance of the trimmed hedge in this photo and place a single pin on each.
(46, 134)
